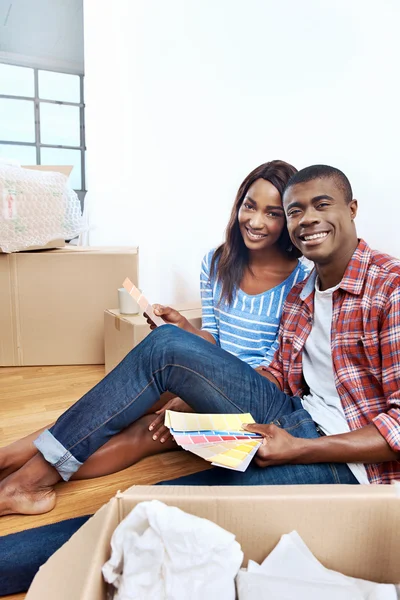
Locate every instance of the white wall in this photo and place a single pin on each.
(185, 97)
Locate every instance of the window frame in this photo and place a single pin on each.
(37, 101)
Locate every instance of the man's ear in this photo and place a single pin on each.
(353, 206)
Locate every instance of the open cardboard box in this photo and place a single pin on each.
(64, 170)
(351, 529)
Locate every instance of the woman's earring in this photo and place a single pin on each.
(289, 248)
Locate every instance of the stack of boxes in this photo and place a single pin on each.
(54, 307)
(55, 300)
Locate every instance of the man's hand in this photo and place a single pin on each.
(161, 432)
(278, 446)
(169, 315)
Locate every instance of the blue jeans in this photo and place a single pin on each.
(209, 379)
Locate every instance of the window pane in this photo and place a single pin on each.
(16, 81)
(17, 120)
(24, 155)
(59, 125)
(59, 86)
(61, 156)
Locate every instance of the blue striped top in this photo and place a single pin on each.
(248, 328)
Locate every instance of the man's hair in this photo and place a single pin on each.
(323, 172)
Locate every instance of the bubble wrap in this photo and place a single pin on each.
(36, 207)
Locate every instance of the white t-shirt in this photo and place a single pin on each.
(323, 402)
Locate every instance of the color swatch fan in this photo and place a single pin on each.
(219, 439)
(143, 303)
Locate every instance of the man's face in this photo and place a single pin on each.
(320, 222)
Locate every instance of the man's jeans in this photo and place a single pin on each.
(209, 379)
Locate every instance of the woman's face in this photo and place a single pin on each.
(261, 217)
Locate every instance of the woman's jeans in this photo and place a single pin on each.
(210, 380)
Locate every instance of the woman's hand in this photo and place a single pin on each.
(161, 432)
(169, 315)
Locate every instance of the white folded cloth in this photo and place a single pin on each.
(161, 552)
(292, 571)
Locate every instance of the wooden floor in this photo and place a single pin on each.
(32, 397)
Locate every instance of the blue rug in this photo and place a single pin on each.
(21, 554)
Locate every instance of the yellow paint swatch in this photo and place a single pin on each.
(199, 422)
(234, 456)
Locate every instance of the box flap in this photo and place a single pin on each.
(96, 250)
(63, 169)
(49, 246)
(72, 573)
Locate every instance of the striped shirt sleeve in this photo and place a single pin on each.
(209, 322)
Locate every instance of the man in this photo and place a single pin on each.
(328, 406)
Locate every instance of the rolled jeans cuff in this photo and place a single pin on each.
(56, 455)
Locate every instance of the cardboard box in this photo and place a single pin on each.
(351, 529)
(65, 170)
(52, 303)
(124, 332)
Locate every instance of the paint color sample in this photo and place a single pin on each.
(144, 304)
(219, 439)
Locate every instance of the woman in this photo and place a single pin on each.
(244, 283)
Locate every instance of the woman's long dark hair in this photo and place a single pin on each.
(231, 258)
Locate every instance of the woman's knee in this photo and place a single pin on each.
(169, 340)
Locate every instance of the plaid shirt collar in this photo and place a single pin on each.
(353, 278)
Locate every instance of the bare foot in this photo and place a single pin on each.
(14, 501)
(29, 491)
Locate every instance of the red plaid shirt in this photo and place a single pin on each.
(365, 341)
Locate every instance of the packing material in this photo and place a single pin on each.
(18, 191)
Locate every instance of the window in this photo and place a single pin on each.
(42, 119)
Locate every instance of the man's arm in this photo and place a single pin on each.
(377, 442)
(388, 422)
(364, 445)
